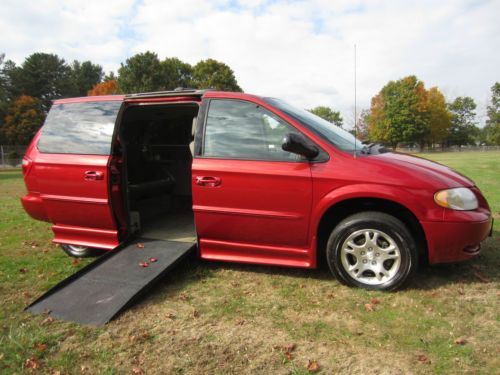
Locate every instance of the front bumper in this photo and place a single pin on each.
(455, 241)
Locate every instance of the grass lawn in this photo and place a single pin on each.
(215, 318)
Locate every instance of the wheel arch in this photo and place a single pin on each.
(341, 209)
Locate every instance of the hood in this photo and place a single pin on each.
(423, 169)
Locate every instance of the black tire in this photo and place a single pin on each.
(372, 250)
(76, 251)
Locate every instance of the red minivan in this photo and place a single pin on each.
(249, 179)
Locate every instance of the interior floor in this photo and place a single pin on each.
(178, 226)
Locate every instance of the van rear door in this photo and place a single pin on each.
(72, 170)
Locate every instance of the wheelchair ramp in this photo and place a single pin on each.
(103, 289)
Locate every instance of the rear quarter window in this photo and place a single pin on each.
(79, 128)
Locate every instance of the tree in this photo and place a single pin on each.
(463, 123)
(328, 114)
(24, 117)
(42, 75)
(110, 77)
(213, 74)
(176, 73)
(84, 76)
(362, 125)
(141, 73)
(439, 116)
(492, 127)
(4, 96)
(399, 112)
(104, 88)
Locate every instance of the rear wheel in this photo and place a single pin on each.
(372, 250)
(81, 251)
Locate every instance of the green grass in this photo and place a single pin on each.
(245, 315)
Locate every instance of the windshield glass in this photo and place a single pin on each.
(334, 134)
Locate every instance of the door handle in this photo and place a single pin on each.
(94, 176)
(208, 181)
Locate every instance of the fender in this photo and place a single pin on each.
(409, 198)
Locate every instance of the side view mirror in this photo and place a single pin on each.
(297, 144)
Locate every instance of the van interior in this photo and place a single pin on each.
(157, 142)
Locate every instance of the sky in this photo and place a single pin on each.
(300, 51)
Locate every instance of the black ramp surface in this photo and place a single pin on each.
(101, 290)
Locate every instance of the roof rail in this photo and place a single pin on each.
(178, 91)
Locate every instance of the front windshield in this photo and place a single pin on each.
(334, 134)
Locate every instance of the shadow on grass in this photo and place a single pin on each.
(483, 269)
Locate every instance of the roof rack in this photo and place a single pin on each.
(178, 91)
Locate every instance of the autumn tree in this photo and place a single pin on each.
(399, 112)
(463, 122)
(492, 128)
(328, 114)
(24, 117)
(141, 73)
(213, 74)
(104, 88)
(439, 116)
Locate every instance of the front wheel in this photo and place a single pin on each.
(372, 250)
(81, 251)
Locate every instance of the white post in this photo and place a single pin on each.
(1, 153)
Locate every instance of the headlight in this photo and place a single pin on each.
(457, 199)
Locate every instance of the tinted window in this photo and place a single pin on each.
(79, 128)
(243, 130)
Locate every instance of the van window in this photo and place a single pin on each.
(79, 128)
(243, 130)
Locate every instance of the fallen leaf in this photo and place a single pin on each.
(312, 366)
(290, 347)
(40, 347)
(55, 372)
(144, 264)
(461, 341)
(153, 260)
(46, 311)
(137, 371)
(23, 270)
(140, 246)
(84, 368)
(183, 297)
(422, 358)
(171, 316)
(288, 355)
(240, 322)
(196, 314)
(32, 363)
(374, 301)
(369, 307)
(75, 262)
(47, 321)
(26, 294)
(481, 277)
(330, 296)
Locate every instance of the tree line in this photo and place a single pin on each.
(404, 111)
(27, 90)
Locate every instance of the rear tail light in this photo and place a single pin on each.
(27, 164)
